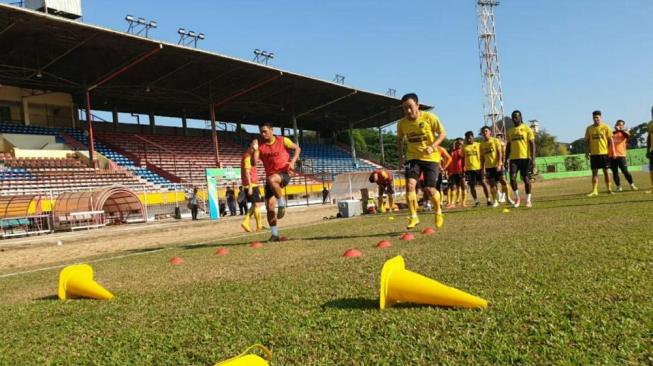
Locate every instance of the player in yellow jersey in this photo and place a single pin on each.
(423, 133)
(649, 149)
(473, 172)
(598, 142)
(492, 162)
(520, 149)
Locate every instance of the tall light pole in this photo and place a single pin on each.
(489, 57)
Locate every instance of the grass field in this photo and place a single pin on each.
(569, 282)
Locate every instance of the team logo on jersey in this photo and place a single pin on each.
(421, 125)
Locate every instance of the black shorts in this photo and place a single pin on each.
(285, 179)
(455, 180)
(599, 162)
(494, 174)
(523, 166)
(474, 177)
(430, 169)
(255, 197)
(650, 162)
(386, 189)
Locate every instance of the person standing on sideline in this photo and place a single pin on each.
(520, 148)
(241, 199)
(649, 150)
(617, 156)
(274, 152)
(423, 133)
(473, 172)
(231, 200)
(492, 162)
(325, 194)
(249, 180)
(383, 180)
(598, 142)
(193, 204)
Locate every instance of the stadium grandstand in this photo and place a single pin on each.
(55, 72)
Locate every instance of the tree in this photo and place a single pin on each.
(547, 145)
(638, 135)
(578, 146)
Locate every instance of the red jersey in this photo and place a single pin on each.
(246, 164)
(457, 162)
(274, 156)
(383, 177)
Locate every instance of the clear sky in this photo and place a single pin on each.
(560, 59)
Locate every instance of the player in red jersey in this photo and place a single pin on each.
(249, 181)
(274, 152)
(383, 180)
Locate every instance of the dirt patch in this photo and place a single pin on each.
(43, 250)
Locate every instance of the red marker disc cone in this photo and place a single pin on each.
(407, 237)
(221, 252)
(352, 253)
(256, 245)
(175, 261)
(428, 231)
(383, 244)
(283, 238)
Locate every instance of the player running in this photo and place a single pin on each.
(249, 180)
(598, 141)
(274, 152)
(472, 152)
(383, 180)
(423, 132)
(649, 150)
(521, 151)
(492, 162)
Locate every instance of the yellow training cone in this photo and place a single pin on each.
(244, 359)
(77, 281)
(401, 285)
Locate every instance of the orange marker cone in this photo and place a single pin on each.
(383, 244)
(244, 359)
(77, 281)
(428, 231)
(352, 253)
(221, 252)
(176, 261)
(256, 245)
(401, 285)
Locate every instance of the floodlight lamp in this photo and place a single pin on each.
(153, 24)
(141, 21)
(191, 33)
(271, 55)
(257, 51)
(181, 31)
(129, 18)
(201, 36)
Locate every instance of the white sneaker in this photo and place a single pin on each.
(517, 202)
(634, 187)
(529, 204)
(619, 189)
(502, 197)
(495, 204)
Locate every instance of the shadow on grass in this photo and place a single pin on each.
(144, 250)
(49, 297)
(357, 303)
(335, 237)
(592, 204)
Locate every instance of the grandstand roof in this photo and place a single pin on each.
(47, 52)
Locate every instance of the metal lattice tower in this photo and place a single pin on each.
(489, 57)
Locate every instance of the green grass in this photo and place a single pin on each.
(569, 282)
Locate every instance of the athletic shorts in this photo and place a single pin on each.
(494, 174)
(255, 197)
(285, 179)
(599, 162)
(455, 180)
(474, 177)
(386, 189)
(523, 166)
(430, 169)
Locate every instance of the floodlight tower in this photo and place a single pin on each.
(489, 57)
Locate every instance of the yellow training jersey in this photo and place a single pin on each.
(519, 138)
(598, 137)
(421, 133)
(472, 154)
(650, 132)
(490, 150)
